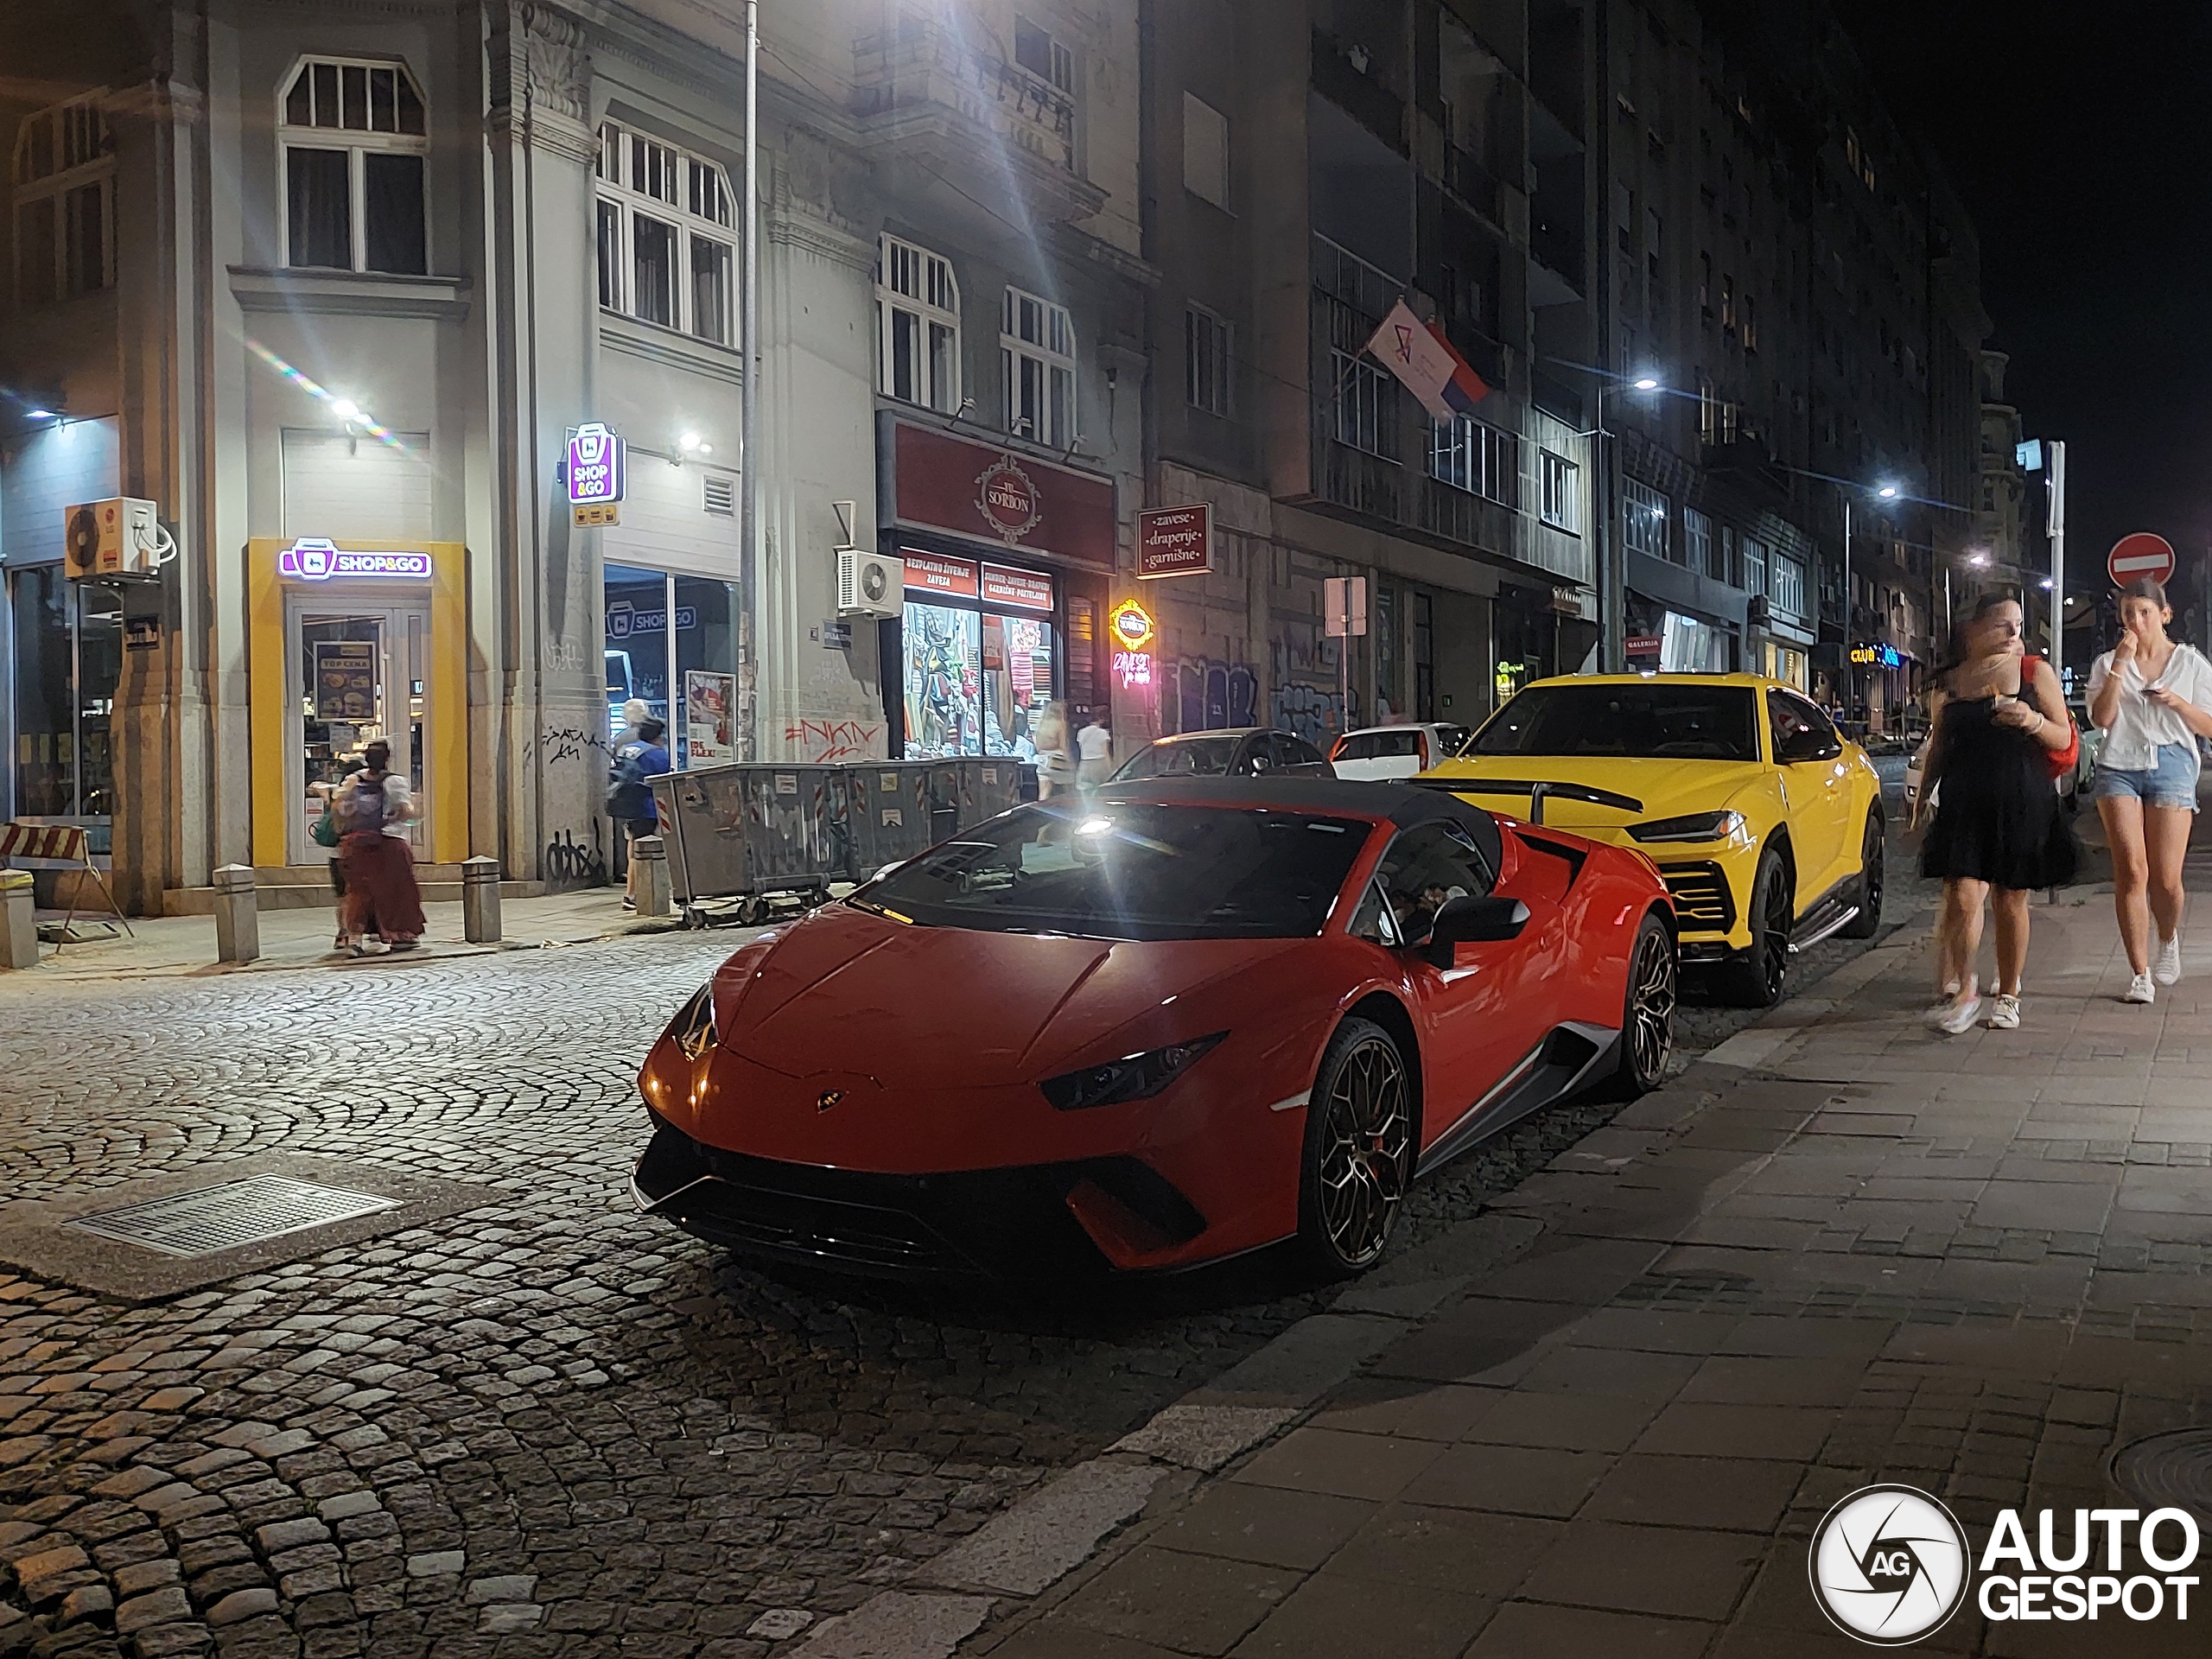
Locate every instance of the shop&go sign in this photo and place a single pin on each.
(311, 559)
(1174, 541)
(595, 466)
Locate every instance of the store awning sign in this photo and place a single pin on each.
(1023, 589)
(595, 465)
(932, 572)
(311, 559)
(1174, 541)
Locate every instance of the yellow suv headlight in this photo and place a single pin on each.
(1723, 825)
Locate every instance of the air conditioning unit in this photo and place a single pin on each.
(119, 538)
(870, 584)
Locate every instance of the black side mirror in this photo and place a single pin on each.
(1469, 920)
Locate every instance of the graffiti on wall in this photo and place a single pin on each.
(569, 864)
(555, 744)
(825, 742)
(1210, 695)
(1314, 713)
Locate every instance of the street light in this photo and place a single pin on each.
(1612, 550)
(1647, 383)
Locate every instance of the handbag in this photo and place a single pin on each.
(325, 829)
(2061, 762)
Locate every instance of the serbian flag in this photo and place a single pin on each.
(1418, 353)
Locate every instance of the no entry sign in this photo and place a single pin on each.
(2133, 557)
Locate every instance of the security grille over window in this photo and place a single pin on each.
(917, 327)
(1644, 518)
(230, 1217)
(64, 177)
(355, 141)
(1037, 343)
(666, 252)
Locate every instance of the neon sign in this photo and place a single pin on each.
(1133, 668)
(1877, 656)
(1131, 625)
(311, 559)
(595, 465)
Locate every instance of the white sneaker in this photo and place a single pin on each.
(1962, 1014)
(2139, 989)
(1939, 1009)
(2005, 1013)
(2167, 970)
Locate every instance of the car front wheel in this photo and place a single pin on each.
(1358, 1156)
(1759, 976)
(1648, 1015)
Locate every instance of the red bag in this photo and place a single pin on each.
(2060, 761)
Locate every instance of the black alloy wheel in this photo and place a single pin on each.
(1873, 854)
(1761, 974)
(1359, 1150)
(1647, 1018)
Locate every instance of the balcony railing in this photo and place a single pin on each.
(920, 62)
(1353, 477)
(1469, 180)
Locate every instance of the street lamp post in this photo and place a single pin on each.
(1612, 547)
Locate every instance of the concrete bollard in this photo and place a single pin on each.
(18, 920)
(237, 914)
(479, 899)
(650, 855)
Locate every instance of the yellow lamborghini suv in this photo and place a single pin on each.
(1764, 820)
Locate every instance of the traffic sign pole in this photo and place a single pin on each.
(2058, 448)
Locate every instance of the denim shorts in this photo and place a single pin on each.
(2171, 782)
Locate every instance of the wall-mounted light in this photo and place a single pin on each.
(41, 414)
(691, 443)
(345, 410)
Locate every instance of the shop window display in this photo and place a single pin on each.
(944, 650)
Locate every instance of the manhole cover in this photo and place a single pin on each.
(230, 1217)
(2168, 1471)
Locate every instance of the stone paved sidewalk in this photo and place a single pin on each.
(1843, 1250)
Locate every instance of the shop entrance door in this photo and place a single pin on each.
(354, 673)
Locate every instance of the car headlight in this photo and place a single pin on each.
(693, 1028)
(1138, 1077)
(1694, 826)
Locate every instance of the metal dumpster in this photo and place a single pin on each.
(887, 814)
(988, 788)
(740, 830)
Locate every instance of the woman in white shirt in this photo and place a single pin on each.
(2151, 698)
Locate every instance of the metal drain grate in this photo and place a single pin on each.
(2172, 1471)
(230, 1217)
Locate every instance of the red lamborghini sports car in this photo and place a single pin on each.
(1183, 1019)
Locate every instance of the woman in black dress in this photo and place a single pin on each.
(1998, 833)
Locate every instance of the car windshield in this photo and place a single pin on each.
(1194, 756)
(1629, 722)
(1130, 871)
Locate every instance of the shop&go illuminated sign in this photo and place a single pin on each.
(595, 466)
(311, 559)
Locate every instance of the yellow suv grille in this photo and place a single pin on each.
(1702, 901)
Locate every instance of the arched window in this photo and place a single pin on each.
(355, 141)
(665, 250)
(64, 177)
(917, 327)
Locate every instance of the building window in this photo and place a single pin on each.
(1655, 244)
(1364, 406)
(1555, 478)
(1728, 305)
(1205, 151)
(1035, 50)
(1788, 594)
(917, 327)
(355, 143)
(1481, 459)
(1037, 343)
(1208, 350)
(1643, 519)
(1754, 565)
(1748, 319)
(666, 254)
(1705, 286)
(1697, 542)
(64, 179)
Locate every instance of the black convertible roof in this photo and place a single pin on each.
(1396, 803)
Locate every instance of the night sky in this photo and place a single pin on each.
(2078, 136)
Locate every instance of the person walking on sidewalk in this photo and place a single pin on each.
(1094, 753)
(2151, 698)
(373, 809)
(1998, 833)
(629, 798)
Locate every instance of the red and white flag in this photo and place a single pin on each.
(1420, 355)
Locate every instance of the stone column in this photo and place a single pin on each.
(535, 601)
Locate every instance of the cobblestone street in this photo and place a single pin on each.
(546, 1424)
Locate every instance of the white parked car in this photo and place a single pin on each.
(1379, 753)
